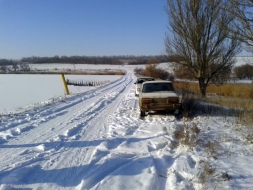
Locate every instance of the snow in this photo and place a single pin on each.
(245, 81)
(18, 91)
(96, 139)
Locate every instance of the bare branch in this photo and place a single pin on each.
(200, 36)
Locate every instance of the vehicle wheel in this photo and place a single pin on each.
(143, 113)
(178, 114)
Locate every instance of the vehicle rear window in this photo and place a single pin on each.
(157, 87)
(142, 80)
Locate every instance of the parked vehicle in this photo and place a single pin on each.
(158, 96)
(139, 82)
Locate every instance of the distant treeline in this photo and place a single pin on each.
(107, 60)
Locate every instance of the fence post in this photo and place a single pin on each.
(65, 84)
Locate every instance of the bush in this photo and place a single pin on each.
(182, 72)
(187, 135)
(244, 71)
(152, 70)
(139, 71)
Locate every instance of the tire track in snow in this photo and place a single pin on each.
(47, 112)
(100, 101)
(31, 120)
(124, 124)
(92, 112)
(127, 123)
(99, 140)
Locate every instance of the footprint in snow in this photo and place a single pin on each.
(191, 162)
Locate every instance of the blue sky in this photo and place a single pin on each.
(81, 27)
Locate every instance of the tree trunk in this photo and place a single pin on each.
(202, 87)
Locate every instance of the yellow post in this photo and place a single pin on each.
(65, 84)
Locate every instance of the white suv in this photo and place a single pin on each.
(139, 82)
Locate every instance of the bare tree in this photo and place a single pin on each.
(15, 67)
(243, 25)
(4, 68)
(199, 39)
(182, 72)
(244, 71)
(25, 67)
(139, 71)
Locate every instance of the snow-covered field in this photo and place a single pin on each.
(19, 91)
(96, 139)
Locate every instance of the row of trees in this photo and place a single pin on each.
(9, 62)
(148, 59)
(107, 60)
(205, 36)
(112, 60)
(24, 67)
(244, 71)
(241, 72)
(152, 69)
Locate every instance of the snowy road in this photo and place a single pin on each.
(95, 140)
(88, 141)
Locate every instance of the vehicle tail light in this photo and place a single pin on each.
(173, 100)
(146, 101)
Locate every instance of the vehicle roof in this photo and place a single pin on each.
(157, 81)
(145, 78)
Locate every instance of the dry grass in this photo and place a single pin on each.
(244, 108)
(249, 138)
(216, 105)
(209, 173)
(187, 136)
(225, 176)
(244, 91)
(205, 171)
(212, 149)
(195, 129)
(192, 104)
(246, 104)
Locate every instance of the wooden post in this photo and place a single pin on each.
(65, 84)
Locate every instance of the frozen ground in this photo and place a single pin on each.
(19, 91)
(97, 140)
